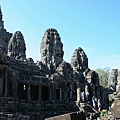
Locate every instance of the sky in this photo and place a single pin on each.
(93, 25)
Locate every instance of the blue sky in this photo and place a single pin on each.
(93, 25)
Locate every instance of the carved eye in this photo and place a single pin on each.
(75, 63)
(48, 41)
(48, 36)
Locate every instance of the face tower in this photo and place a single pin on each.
(4, 35)
(51, 48)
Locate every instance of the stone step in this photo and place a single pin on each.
(3, 110)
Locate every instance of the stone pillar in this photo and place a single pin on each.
(28, 92)
(1, 83)
(93, 90)
(6, 75)
(40, 93)
(15, 89)
(51, 93)
(64, 92)
(78, 95)
(60, 94)
(1, 87)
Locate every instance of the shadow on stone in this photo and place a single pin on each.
(69, 116)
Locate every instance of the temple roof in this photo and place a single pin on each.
(1, 14)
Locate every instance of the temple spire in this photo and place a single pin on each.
(1, 14)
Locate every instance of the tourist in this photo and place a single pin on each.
(83, 96)
(87, 93)
(99, 105)
(87, 96)
(94, 101)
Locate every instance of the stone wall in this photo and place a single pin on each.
(48, 87)
(4, 35)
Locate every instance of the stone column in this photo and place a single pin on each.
(40, 93)
(60, 94)
(1, 87)
(53, 94)
(64, 92)
(78, 95)
(6, 75)
(50, 93)
(28, 92)
(15, 89)
(1, 83)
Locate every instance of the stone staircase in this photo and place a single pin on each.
(3, 107)
(90, 112)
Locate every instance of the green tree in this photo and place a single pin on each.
(103, 76)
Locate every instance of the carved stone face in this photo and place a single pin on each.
(79, 60)
(43, 53)
(113, 78)
(16, 46)
(66, 70)
(59, 53)
(51, 48)
(75, 64)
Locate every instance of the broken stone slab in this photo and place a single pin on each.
(70, 116)
(115, 109)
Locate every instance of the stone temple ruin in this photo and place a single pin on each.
(48, 87)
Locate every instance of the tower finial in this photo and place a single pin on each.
(1, 14)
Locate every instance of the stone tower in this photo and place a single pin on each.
(79, 60)
(112, 81)
(0, 14)
(51, 49)
(17, 47)
(4, 35)
(1, 22)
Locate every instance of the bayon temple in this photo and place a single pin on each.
(51, 86)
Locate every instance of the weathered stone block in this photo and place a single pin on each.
(116, 109)
(69, 116)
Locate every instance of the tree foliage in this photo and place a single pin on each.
(103, 76)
